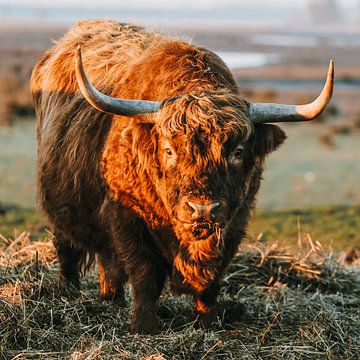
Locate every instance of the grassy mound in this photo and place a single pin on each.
(272, 305)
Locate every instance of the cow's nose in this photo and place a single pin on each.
(201, 210)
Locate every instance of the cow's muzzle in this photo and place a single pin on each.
(202, 230)
(202, 216)
(202, 210)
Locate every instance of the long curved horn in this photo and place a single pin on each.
(106, 103)
(270, 113)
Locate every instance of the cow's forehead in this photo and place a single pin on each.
(209, 115)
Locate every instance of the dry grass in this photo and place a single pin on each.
(273, 305)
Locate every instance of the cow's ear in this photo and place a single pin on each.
(267, 138)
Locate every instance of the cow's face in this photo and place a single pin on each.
(207, 152)
(203, 150)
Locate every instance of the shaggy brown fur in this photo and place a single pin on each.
(122, 187)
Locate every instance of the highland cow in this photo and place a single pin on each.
(154, 169)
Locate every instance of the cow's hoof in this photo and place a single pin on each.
(69, 280)
(145, 323)
(69, 288)
(205, 321)
(117, 297)
(117, 300)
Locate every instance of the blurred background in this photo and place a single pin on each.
(278, 51)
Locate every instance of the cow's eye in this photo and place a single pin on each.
(236, 156)
(168, 153)
(238, 153)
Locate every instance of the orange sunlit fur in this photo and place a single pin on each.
(106, 287)
(201, 308)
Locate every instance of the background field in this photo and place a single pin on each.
(319, 164)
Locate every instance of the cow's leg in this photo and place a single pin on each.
(146, 270)
(205, 305)
(70, 259)
(143, 263)
(112, 277)
(147, 279)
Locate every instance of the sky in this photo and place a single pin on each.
(245, 11)
(166, 3)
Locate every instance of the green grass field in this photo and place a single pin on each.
(335, 226)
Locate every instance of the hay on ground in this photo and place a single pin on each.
(273, 304)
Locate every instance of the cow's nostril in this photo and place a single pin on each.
(213, 210)
(203, 210)
(195, 207)
(214, 206)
